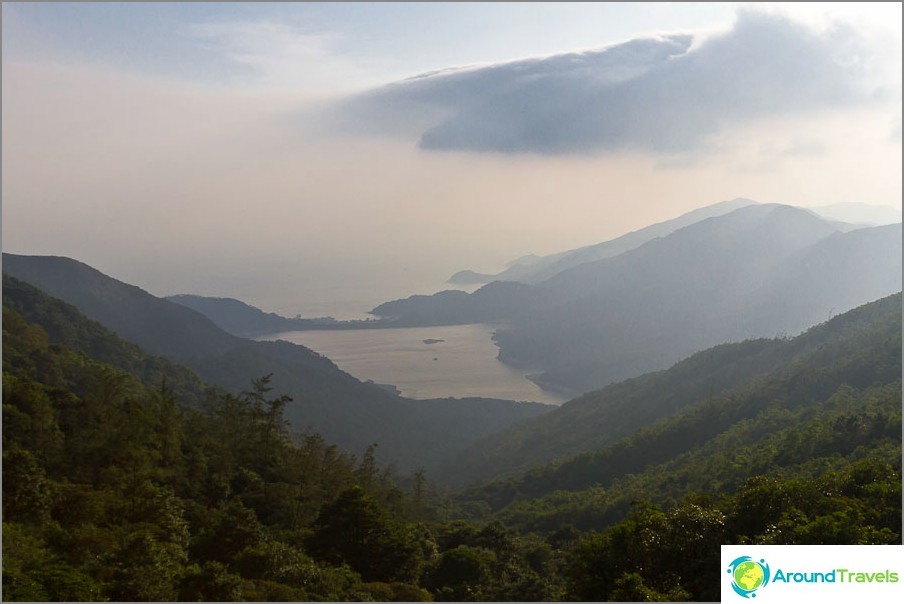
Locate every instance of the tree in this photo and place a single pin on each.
(357, 531)
(463, 573)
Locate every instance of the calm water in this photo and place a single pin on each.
(462, 364)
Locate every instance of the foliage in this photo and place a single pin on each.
(115, 489)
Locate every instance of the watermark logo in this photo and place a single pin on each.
(748, 575)
(812, 573)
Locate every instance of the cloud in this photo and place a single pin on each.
(665, 94)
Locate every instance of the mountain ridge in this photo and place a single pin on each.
(540, 268)
(345, 410)
(242, 319)
(852, 358)
(713, 281)
(600, 418)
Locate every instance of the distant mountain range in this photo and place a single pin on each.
(735, 418)
(779, 441)
(757, 271)
(601, 418)
(608, 312)
(534, 269)
(327, 400)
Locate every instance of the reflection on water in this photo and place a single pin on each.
(424, 362)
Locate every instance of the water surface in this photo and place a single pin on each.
(424, 362)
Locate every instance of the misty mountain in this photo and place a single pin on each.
(759, 271)
(832, 396)
(600, 418)
(533, 269)
(491, 303)
(325, 399)
(243, 320)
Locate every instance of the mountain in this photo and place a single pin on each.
(113, 490)
(808, 453)
(155, 324)
(243, 320)
(829, 397)
(533, 269)
(599, 418)
(759, 271)
(493, 302)
(325, 399)
(66, 326)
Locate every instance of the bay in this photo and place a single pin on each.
(424, 362)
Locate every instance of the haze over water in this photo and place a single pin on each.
(463, 364)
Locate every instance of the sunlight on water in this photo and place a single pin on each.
(461, 363)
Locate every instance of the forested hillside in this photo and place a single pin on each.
(717, 371)
(348, 412)
(836, 405)
(114, 490)
(67, 327)
(602, 417)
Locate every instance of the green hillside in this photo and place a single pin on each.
(326, 400)
(65, 326)
(838, 403)
(116, 490)
(600, 418)
(113, 491)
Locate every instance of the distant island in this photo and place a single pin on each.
(432, 341)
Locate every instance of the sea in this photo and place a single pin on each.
(425, 362)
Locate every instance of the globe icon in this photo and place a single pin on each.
(748, 575)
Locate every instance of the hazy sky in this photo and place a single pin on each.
(287, 154)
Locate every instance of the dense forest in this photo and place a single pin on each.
(762, 372)
(127, 478)
(345, 411)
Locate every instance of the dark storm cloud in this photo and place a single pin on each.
(663, 94)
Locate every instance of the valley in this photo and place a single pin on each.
(451, 302)
(800, 433)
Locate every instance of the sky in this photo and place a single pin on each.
(319, 159)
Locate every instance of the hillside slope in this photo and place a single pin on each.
(760, 271)
(602, 417)
(345, 410)
(539, 269)
(835, 399)
(66, 326)
(243, 320)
